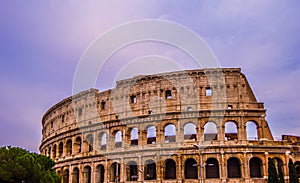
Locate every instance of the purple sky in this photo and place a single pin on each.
(41, 43)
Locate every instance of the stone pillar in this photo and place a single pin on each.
(286, 167)
(266, 165)
(122, 170)
(179, 169)
(223, 167)
(140, 170)
(221, 133)
(106, 172)
(246, 175)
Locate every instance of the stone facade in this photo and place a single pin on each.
(187, 126)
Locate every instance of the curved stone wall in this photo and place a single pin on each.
(185, 126)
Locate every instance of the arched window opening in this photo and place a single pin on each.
(230, 131)
(75, 175)
(49, 152)
(170, 169)
(100, 172)
(77, 145)
(115, 172)
(191, 169)
(118, 139)
(233, 168)
(255, 167)
(65, 178)
(54, 151)
(103, 141)
(210, 131)
(134, 137)
(69, 147)
(60, 149)
(150, 170)
(251, 130)
(58, 173)
(278, 163)
(90, 142)
(212, 168)
(132, 171)
(87, 174)
(297, 166)
(189, 131)
(170, 133)
(151, 135)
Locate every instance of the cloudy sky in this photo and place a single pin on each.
(41, 43)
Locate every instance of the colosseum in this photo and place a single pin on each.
(189, 126)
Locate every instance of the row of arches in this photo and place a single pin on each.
(149, 170)
(169, 135)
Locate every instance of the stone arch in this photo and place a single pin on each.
(255, 166)
(115, 172)
(170, 132)
(251, 130)
(278, 163)
(134, 137)
(132, 171)
(231, 130)
(54, 151)
(189, 131)
(100, 173)
(77, 145)
(150, 170)
(60, 149)
(58, 172)
(212, 168)
(118, 138)
(65, 178)
(151, 134)
(234, 168)
(87, 174)
(210, 131)
(90, 142)
(170, 169)
(69, 147)
(190, 169)
(49, 152)
(75, 175)
(102, 140)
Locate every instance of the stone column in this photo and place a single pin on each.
(140, 170)
(266, 165)
(223, 167)
(179, 169)
(122, 170)
(246, 168)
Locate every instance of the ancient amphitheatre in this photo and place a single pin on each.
(178, 127)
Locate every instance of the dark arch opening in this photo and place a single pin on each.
(100, 174)
(191, 169)
(75, 175)
(255, 167)
(150, 170)
(212, 168)
(233, 168)
(170, 169)
(87, 174)
(132, 171)
(115, 172)
(66, 176)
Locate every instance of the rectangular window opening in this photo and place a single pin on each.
(168, 94)
(208, 91)
(133, 99)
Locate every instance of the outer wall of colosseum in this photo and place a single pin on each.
(186, 126)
